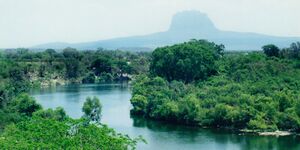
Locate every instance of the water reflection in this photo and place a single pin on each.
(228, 139)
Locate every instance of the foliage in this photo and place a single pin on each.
(25, 104)
(139, 104)
(271, 50)
(23, 122)
(92, 109)
(58, 114)
(292, 52)
(30, 127)
(250, 91)
(40, 133)
(19, 108)
(22, 69)
(193, 60)
(89, 78)
(71, 65)
(102, 64)
(295, 50)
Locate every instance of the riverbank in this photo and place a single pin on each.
(159, 134)
(60, 80)
(236, 131)
(44, 83)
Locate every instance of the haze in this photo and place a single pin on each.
(31, 22)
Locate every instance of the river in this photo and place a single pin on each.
(159, 135)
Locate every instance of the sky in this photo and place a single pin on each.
(25, 23)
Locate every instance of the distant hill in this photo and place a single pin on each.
(184, 26)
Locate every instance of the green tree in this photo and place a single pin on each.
(102, 65)
(72, 62)
(258, 123)
(53, 134)
(58, 114)
(92, 109)
(72, 68)
(50, 55)
(124, 67)
(25, 104)
(1, 54)
(89, 78)
(189, 61)
(71, 53)
(295, 50)
(139, 104)
(250, 91)
(271, 50)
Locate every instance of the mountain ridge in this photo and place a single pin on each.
(184, 26)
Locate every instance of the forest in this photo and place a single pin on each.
(25, 124)
(197, 83)
(73, 66)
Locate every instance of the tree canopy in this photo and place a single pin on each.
(271, 50)
(251, 90)
(189, 61)
(39, 133)
(92, 109)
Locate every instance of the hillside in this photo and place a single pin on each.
(184, 26)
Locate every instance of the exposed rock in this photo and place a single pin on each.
(275, 133)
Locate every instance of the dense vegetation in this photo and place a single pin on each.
(186, 62)
(41, 133)
(53, 129)
(23, 122)
(71, 65)
(22, 69)
(192, 83)
(254, 90)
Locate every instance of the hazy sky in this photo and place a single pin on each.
(29, 22)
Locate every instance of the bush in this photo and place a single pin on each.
(25, 104)
(257, 123)
(90, 78)
(58, 114)
(139, 104)
(41, 133)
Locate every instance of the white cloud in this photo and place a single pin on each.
(30, 22)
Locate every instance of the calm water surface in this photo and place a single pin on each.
(159, 135)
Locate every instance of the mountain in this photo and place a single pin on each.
(184, 26)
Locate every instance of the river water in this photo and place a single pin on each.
(159, 135)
